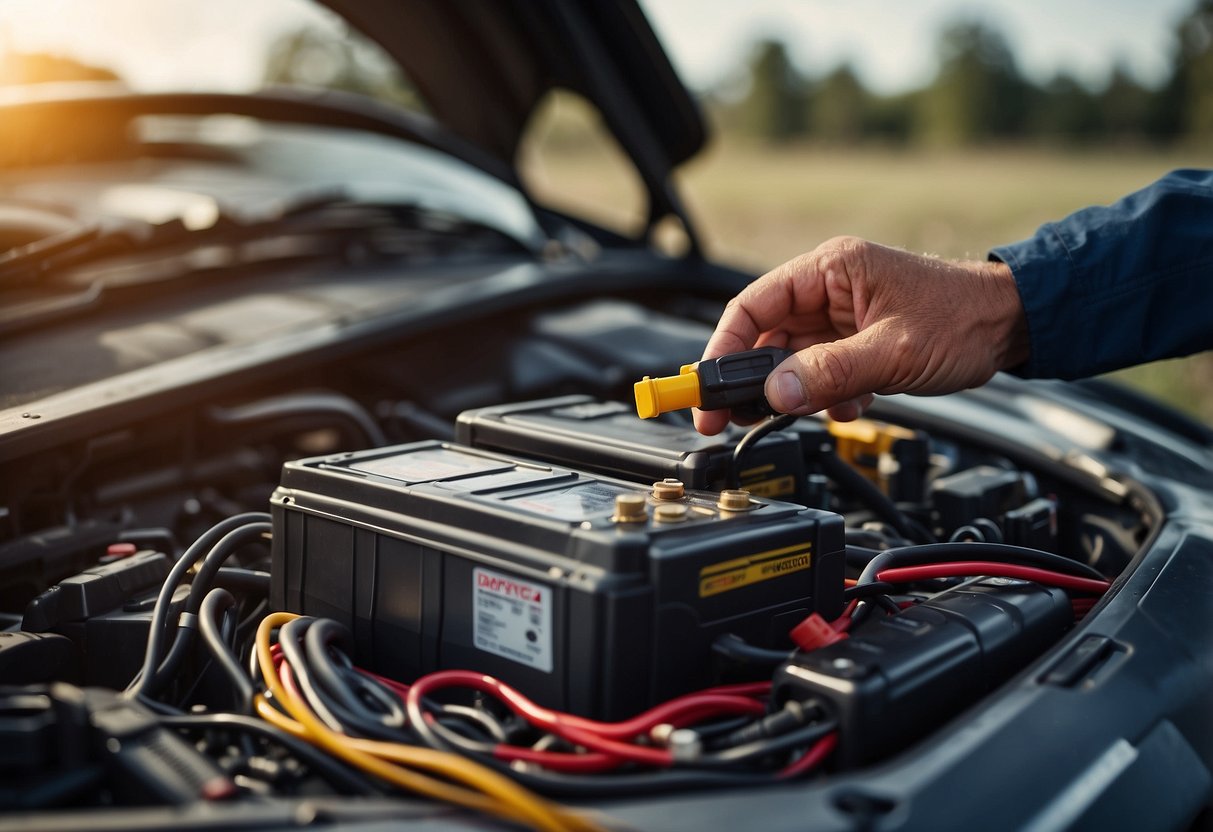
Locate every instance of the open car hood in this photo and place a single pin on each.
(483, 66)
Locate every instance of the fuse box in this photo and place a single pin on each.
(899, 677)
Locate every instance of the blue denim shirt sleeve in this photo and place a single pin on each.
(1117, 285)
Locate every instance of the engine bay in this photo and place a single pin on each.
(327, 497)
(475, 549)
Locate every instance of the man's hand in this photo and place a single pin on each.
(867, 319)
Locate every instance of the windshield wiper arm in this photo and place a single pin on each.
(29, 263)
(25, 262)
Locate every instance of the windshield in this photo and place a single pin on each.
(185, 45)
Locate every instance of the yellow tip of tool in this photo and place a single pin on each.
(655, 396)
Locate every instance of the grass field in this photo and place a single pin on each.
(756, 206)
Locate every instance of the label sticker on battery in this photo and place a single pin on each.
(512, 618)
(763, 566)
(778, 487)
(498, 480)
(759, 482)
(429, 465)
(576, 503)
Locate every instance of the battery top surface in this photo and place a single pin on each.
(574, 419)
(535, 512)
(606, 437)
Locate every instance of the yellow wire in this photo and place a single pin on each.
(451, 794)
(496, 794)
(517, 807)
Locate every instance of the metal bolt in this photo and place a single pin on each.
(684, 744)
(660, 733)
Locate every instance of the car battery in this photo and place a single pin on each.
(591, 595)
(607, 438)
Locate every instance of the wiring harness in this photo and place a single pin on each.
(723, 735)
(468, 739)
(276, 699)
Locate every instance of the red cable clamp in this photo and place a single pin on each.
(814, 632)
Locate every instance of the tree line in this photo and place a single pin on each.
(977, 96)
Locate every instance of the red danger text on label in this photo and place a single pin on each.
(508, 588)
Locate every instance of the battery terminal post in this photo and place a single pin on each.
(630, 508)
(669, 490)
(734, 499)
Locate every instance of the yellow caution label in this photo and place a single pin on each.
(763, 566)
(751, 481)
(778, 487)
(755, 473)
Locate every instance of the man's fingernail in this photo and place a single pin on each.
(788, 392)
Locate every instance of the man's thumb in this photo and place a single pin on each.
(824, 375)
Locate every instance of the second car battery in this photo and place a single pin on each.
(592, 595)
(607, 438)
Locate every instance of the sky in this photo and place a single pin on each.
(160, 44)
(219, 44)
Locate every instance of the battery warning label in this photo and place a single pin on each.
(734, 574)
(512, 618)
